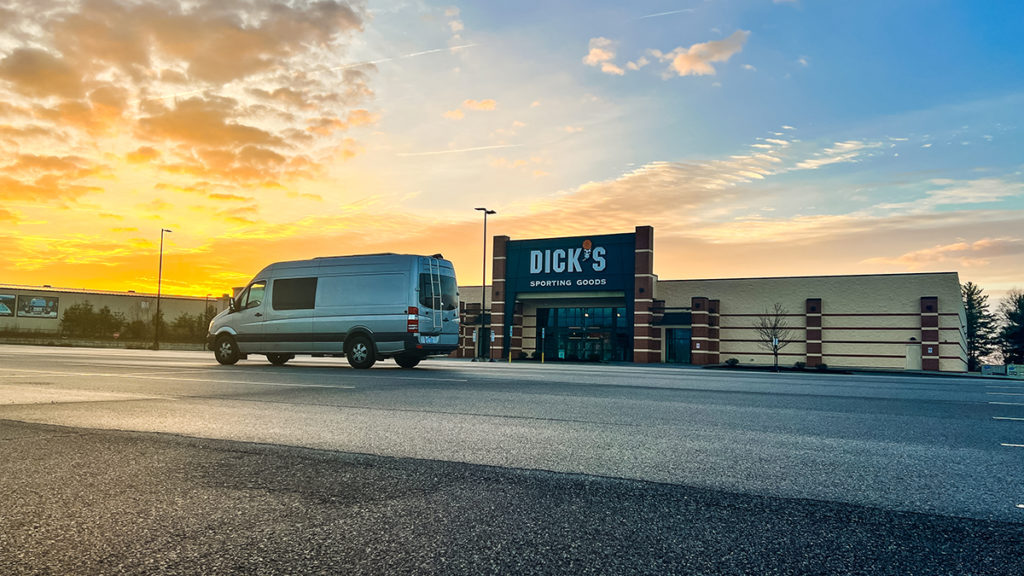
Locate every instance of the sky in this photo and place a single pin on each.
(757, 137)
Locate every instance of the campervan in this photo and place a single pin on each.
(365, 308)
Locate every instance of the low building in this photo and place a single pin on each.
(39, 309)
(597, 298)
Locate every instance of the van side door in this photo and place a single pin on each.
(249, 319)
(289, 318)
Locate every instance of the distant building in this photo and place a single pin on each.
(38, 309)
(597, 298)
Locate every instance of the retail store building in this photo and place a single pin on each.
(597, 298)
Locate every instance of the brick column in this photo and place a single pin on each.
(714, 328)
(498, 275)
(699, 337)
(646, 337)
(812, 320)
(930, 333)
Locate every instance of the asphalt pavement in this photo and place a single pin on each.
(100, 502)
(130, 462)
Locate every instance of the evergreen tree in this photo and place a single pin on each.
(981, 325)
(1011, 336)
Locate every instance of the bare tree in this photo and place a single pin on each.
(773, 331)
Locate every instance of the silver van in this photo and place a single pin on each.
(366, 308)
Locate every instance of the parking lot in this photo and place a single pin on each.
(654, 455)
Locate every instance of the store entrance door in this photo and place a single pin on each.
(677, 345)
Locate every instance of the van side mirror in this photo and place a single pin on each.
(232, 305)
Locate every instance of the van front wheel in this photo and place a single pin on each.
(360, 352)
(225, 349)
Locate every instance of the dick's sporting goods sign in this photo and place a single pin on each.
(571, 264)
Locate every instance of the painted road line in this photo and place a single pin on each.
(1013, 445)
(1008, 387)
(1005, 393)
(175, 379)
(1007, 403)
(1008, 418)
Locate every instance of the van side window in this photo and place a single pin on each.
(294, 294)
(255, 296)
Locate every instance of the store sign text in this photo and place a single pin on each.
(569, 260)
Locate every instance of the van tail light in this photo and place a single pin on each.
(413, 324)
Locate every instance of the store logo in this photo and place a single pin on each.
(568, 260)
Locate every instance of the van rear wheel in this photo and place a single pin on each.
(406, 361)
(225, 350)
(279, 359)
(360, 352)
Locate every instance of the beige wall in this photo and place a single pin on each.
(133, 306)
(867, 321)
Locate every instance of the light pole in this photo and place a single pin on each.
(159, 281)
(483, 281)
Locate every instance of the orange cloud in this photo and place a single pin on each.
(38, 73)
(697, 59)
(480, 105)
(143, 154)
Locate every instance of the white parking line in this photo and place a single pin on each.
(1013, 445)
(1007, 403)
(1005, 393)
(1008, 418)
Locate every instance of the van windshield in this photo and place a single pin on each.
(443, 297)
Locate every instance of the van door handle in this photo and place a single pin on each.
(258, 314)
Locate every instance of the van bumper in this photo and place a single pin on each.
(415, 347)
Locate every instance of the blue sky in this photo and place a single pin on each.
(759, 138)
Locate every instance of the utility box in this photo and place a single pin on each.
(1014, 371)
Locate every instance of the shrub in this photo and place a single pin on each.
(800, 365)
(732, 362)
(822, 366)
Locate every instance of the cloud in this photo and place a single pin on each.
(957, 254)
(974, 191)
(202, 84)
(840, 152)
(38, 73)
(601, 54)
(203, 122)
(486, 105)
(142, 154)
(697, 59)
(213, 41)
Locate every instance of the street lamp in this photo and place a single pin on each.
(159, 280)
(483, 279)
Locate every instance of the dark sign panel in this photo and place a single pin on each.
(571, 264)
(37, 306)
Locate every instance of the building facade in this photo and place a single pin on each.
(596, 298)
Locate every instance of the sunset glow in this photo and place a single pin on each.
(758, 138)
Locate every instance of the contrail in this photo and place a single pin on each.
(659, 14)
(412, 55)
(478, 148)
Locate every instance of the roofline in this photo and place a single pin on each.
(87, 291)
(816, 276)
(785, 277)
